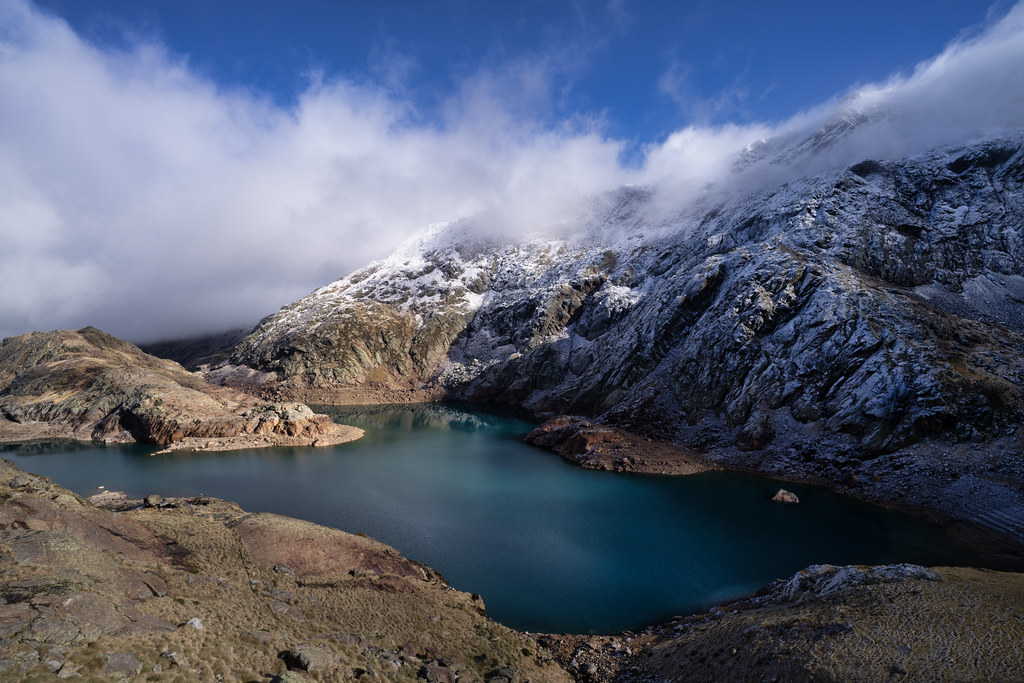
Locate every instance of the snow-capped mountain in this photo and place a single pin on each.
(822, 296)
(802, 330)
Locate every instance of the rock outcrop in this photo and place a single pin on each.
(599, 447)
(387, 327)
(896, 622)
(196, 589)
(85, 384)
(784, 496)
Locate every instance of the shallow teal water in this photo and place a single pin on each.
(551, 547)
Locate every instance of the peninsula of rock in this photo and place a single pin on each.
(88, 385)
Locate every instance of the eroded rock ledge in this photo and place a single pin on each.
(88, 385)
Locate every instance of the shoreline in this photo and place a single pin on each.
(738, 625)
(108, 580)
(585, 443)
(346, 434)
(607, 448)
(791, 612)
(16, 432)
(589, 444)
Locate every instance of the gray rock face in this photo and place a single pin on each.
(823, 580)
(857, 312)
(122, 664)
(177, 659)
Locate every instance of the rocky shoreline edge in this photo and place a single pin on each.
(121, 589)
(13, 433)
(999, 540)
(341, 434)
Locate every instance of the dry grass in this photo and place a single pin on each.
(967, 626)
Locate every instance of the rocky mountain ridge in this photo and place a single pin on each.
(861, 328)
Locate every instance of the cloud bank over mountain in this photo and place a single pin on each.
(138, 196)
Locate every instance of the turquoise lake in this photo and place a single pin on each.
(550, 547)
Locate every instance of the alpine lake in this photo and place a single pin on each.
(551, 547)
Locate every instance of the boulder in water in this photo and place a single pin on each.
(784, 496)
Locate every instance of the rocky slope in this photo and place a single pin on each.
(861, 328)
(88, 385)
(199, 590)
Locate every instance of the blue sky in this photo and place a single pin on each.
(646, 68)
(169, 168)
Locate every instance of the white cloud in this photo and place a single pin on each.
(152, 204)
(974, 88)
(139, 197)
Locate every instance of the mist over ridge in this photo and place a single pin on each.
(140, 197)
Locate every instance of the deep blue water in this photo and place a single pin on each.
(550, 547)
